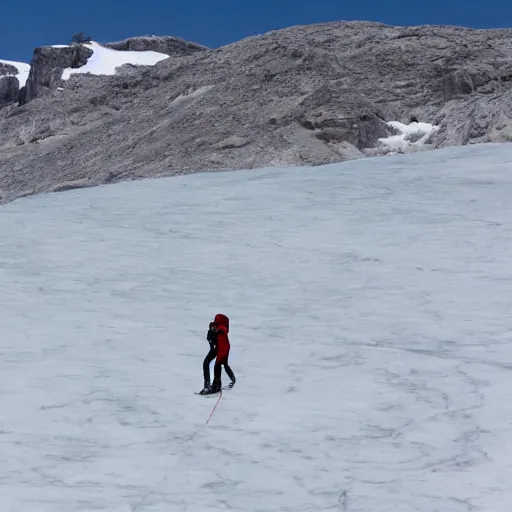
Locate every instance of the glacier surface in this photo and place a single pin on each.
(371, 338)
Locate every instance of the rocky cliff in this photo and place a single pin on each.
(49, 62)
(305, 95)
(47, 66)
(7, 69)
(9, 84)
(9, 90)
(172, 46)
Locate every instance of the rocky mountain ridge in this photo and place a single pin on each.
(171, 45)
(304, 95)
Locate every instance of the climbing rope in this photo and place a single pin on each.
(213, 410)
(189, 442)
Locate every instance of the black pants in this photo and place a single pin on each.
(206, 365)
(217, 369)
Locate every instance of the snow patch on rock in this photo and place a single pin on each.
(23, 70)
(106, 61)
(408, 136)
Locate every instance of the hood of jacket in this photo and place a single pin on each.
(223, 320)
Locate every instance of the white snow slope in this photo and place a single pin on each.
(23, 71)
(105, 61)
(371, 338)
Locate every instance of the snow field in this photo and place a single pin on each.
(370, 311)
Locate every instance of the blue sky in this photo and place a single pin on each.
(214, 23)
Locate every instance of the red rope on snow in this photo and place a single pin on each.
(150, 493)
(213, 410)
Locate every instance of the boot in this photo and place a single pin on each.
(231, 375)
(206, 388)
(216, 386)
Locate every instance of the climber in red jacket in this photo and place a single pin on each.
(219, 342)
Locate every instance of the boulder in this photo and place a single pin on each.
(9, 90)
(47, 66)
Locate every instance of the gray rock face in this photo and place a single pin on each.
(9, 90)
(47, 66)
(9, 85)
(7, 69)
(49, 62)
(174, 46)
(305, 95)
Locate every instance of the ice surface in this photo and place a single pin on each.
(105, 61)
(409, 136)
(371, 337)
(23, 70)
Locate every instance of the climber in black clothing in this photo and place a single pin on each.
(219, 349)
(212, 340)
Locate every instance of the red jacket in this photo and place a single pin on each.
(223, 346)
